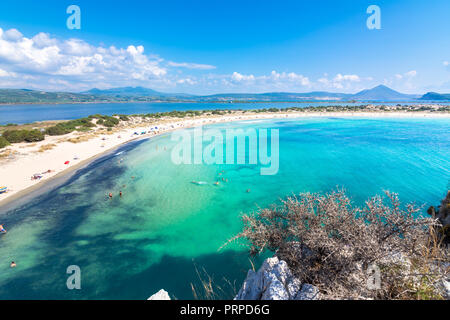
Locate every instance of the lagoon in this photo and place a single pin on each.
(27, 113)
(164, 227)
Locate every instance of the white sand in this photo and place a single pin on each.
(16, 171)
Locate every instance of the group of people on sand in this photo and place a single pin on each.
(3, 231)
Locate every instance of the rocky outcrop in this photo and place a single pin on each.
(274, 281)
(442, 214)
(160, 295)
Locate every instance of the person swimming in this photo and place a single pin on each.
(198, 182)
(2, 230)
(13, 264)
(120, 193)
(110, 195)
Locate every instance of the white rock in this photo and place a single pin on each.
(252, 287)
(160, 295)
(273, 281)
(446, 285)
(308, 292)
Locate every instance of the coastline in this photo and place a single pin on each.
(16, 172)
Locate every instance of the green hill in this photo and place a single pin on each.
(435, 96)
(31, 96)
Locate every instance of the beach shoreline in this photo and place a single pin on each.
(15, 172)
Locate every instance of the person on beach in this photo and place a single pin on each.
(2, 230)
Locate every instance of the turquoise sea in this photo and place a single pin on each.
(163, 226)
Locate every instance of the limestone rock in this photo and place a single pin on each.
(160, 295)
(274, 281)
(308, 292)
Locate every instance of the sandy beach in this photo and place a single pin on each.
(58, 155)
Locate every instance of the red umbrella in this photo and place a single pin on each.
(67, 162)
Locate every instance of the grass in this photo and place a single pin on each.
(209, 289)
(46, 147)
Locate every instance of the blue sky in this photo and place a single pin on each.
(226, 46)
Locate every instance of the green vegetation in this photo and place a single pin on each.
(24, 96)
(16, 136)
(123, 117)
(3, 142)
(107, 121)
(435, 96)
(69, 126)
(9, 125)
(333, 245)
(12, 96)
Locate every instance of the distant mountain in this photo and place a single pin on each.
(276, 96)
(133, 92)
(382, 92)
(16, 96)
(270, 96)
(435, 96)
(141, 94)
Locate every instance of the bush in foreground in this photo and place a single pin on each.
(69, 126)
(3, 142)
(16, 136)
(331, 244)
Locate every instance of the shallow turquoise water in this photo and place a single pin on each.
(164, 226)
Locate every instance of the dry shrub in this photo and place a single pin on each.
(81, 138)
(46, 147)
(7, 153)
(209, 289)
(331, 244)
(28, 145)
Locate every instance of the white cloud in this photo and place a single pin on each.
(404, 82)
(45, 62)
(187, 81)
(406, 75)
(190, 65)
(346, 77)
(236, 76)
(4, 73)
(346, 82)
(48, 58)
(411, 73)
(445, 63)
(274, 81)
(12, 35)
